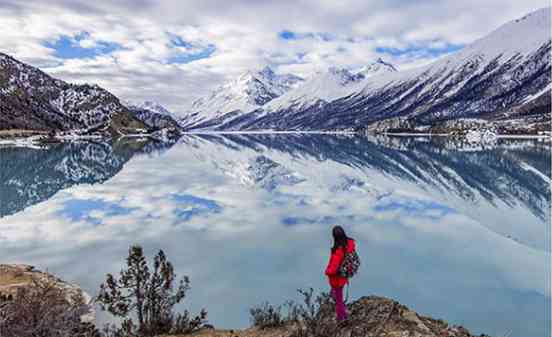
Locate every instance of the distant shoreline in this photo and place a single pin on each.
(18, 137)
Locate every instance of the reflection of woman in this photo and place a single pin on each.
(342, 244)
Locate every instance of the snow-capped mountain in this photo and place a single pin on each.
(491, 78)
(247, 92)
(32, 100)
(151, 106)
(323, 86)
(293, 93)
(327, 86)
(153, 115)
(376, 68)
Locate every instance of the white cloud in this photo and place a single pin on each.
(244, 35)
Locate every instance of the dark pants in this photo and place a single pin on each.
(340, 310)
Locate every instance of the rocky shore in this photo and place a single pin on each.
(369, 315)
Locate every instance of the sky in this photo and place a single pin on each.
(174, 51)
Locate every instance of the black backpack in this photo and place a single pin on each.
(350, 264)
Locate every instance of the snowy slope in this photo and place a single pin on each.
(323, 86)
(376, 68)
(517, 41)
(153, 115)
(328, 86)
(249, 91)
(491, 75)
(151, 106)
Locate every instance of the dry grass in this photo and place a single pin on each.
(252, 332)
(13, 276)
(12, 279)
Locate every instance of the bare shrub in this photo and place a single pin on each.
(43, 308)
(267, 316)
(316, 315)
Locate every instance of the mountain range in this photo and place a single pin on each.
(264, 89)
(503, 78)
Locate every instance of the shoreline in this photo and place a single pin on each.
(31, 137)
(367, 314)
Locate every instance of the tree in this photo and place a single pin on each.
(149, 296)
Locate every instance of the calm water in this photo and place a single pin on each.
(453, 231)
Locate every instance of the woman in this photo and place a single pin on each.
(342, 244)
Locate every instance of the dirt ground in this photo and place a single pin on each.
(238, 333)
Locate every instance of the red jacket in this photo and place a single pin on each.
(337, 281)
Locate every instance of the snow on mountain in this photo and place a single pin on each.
(328, 86)
(376, 68)
(151, 106)
(247, 92)
(323, 86)
(153, 114)
(493, 75)
(32, 100)
(517, 41)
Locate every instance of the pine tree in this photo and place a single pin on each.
(149, 295)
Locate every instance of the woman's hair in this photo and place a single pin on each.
(340, 238)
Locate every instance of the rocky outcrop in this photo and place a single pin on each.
(16, 276)
(370, 316)
(380, 316)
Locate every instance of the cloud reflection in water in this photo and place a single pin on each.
(455, 233)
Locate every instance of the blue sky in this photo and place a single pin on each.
(174, 51)
(68, 47)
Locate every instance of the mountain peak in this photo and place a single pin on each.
(344, 76)
(249, 91)
(376, 68)
(267, 72)
(149, 105)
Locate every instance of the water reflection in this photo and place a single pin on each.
(455, 231)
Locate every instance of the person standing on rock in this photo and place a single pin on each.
(344, 263)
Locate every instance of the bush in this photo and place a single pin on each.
(144, 298)
(43, 309)
(268, 316)
(314, 317)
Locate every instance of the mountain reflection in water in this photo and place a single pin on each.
(455, 231)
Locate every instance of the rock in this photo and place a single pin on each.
(370, 316)
(380, 316)
(166, 135)
(16, 276)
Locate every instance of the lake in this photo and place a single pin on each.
(453, 230)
